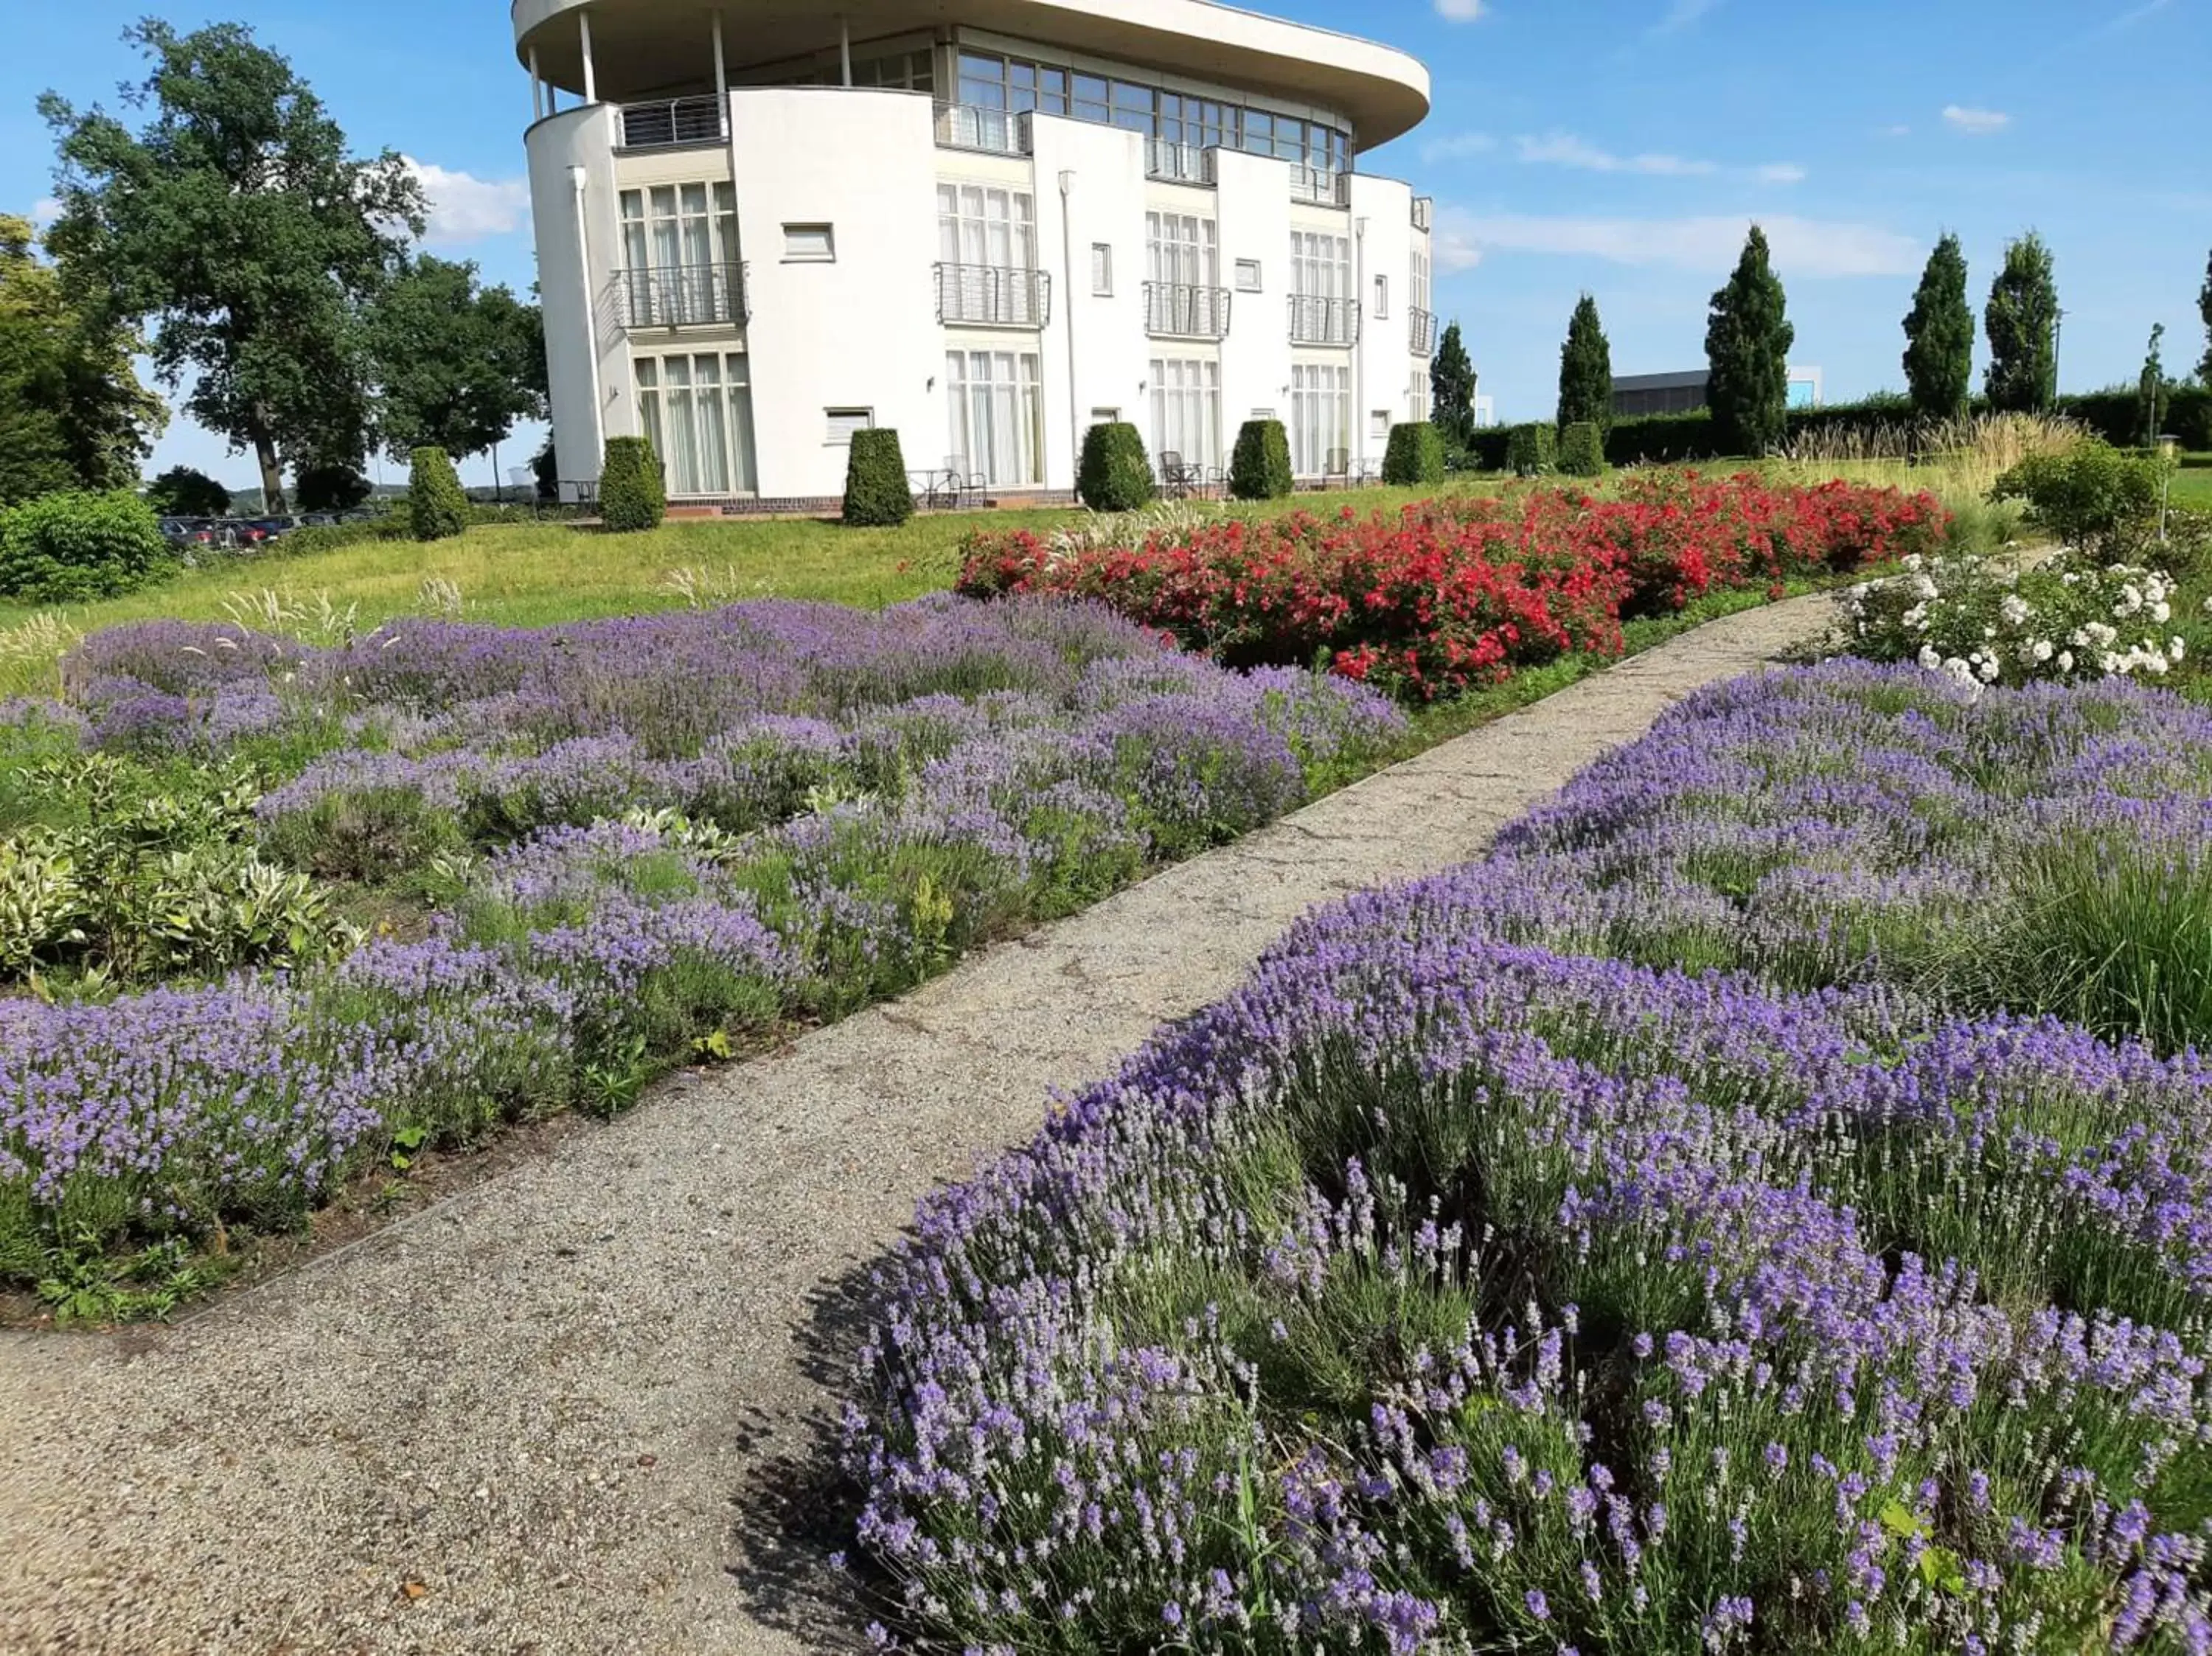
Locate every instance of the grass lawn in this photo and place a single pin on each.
(2192, 484)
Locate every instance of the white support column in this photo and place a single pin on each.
(591, 72)
(721, 70)
(537, 88)
(1358, 434)
(578, 178)
(845, 46)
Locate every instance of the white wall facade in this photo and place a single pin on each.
(862, 331)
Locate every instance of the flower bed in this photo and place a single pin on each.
(1460, 590)
(1471, 1280)
(595, 851)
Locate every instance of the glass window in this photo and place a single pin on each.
(1187, 409)
(1102, 269)
(1259, 133)
(844, 423)
(1382, 296)
(1052, 91)
(995, 409)
(811, 244)
(1248, 275)
(1321, 418)
(1132, 107)
(696, 411)
(978, 224)
(1091, 99)
(1183, 249)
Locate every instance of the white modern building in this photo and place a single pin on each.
(765, 224)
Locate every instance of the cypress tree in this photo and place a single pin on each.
(1747, 341)
(1586, 371)
(2204, 310)
(1939, 336)
(1451, 385)
(2021, 321)
(2153, 389)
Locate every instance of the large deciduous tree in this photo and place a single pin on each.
(1939, 336)
(1586, 370)
(455, 365)
(72, 412)
(2021, 321)
(1451, 385)
(237, 225)
(1747, 341)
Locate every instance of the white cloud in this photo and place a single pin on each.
(1709, 243)
(1681, 14)
(1450, 247)
(1779, 172)
(1565, 149)
(1457, 147)
(1459, 11)
(1899, 130)
(1977, 122)
(465, 209)
(45, 211)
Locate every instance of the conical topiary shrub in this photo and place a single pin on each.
(437, 510)
(1415, 456)
(1116, 474)
(631, 494)
(1260, 467)
(876, 493)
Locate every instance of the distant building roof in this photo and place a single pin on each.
(1682, 380)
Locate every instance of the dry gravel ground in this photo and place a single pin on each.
(577, 1409)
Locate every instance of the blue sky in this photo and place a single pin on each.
(1619, 146)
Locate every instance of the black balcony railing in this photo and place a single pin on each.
(1316, 321)
(683, 295)
(675, 122)
(993, 295)
(995, 131)
(1425, 213)
(1182, 310)
(1178, 163)
(1320, 186)
(1421, 327)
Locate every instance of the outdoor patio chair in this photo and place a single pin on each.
(1177, 477)
(968, 487)
(1336, 471)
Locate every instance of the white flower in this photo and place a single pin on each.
(1924, 588)
(2177, 648)
(2132, 603)
(1989, 670)
(1914, 561)
(2065, 661)
(2043, 647)
(1930, 657)
(2161, 612)
(1960, 671)
(2015, 610)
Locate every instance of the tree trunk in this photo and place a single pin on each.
(272, 472)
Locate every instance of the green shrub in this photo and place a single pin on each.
(2092, 497)
(1415, 455)
(876, 493)
(64, 547)
(1260, 467)
(437, 510)
(1116, 474)
(632, 497)
(181, 492)
(1582, 450)
(332, 537)
(1531, 451)
(336, 487)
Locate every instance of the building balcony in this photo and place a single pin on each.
(1182, 310)
(1316, 321)
(1425, 213)
(994, 132)
(673, 123)
(1178, 163)
(683, 296)
(1421, 327)
(994, 296)
(1318, 186)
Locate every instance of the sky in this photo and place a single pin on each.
(1616, 147)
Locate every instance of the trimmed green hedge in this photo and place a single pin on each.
(1259, 468)
(1415, 455)
(1582, 450)
(68, 547)
(1531, 450)
(437, 510)
(632, 497)
(876, 493)
(1116, 475)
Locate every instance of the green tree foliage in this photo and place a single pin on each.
(2154, 391)
(1939, 336)
(1531, 451)
(1260, 466)
(2021, 321)
(2091, 497)
(632, 495)
(331, 486)
(437, 509)
(1414, 455)
(2204, 310)
(876, 493)
(1116, 475)
(71, 547)
(236, 223)
(1451, 385)
(1747, 341)
(181, 492)
(1586, 371)
(1582, 450)
(455, 365)
(72, 413)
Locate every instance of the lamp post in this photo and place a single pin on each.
(2058, 338)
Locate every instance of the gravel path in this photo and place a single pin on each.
(576, 1409)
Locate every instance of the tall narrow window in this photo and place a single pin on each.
(1187, 409)
(680, 254)
(1102, 269)
(1321, 418)
(995, 411)
(1382, 296)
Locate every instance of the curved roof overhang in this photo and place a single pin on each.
(640, 47)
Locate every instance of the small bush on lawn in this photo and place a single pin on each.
(335, 487)
(1116, 474)
(1415, 455)
(1531, 451)
(66, 547)
(1259, 468)
(1582, 450)
(2092, 497)
(876, 493)
(632, 497)
(437, 509)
